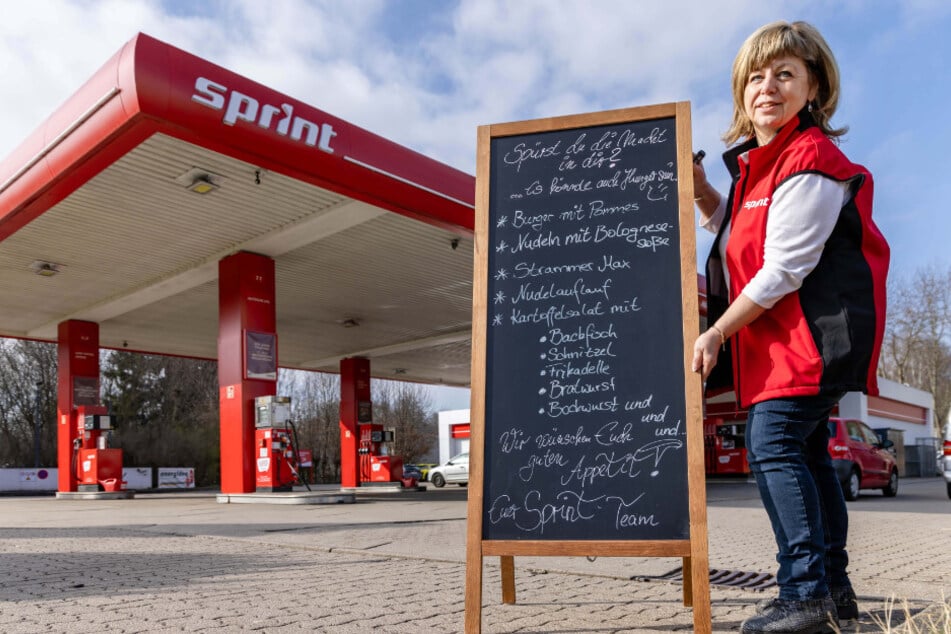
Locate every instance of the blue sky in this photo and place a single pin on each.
(426, 73)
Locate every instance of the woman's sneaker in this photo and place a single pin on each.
(845, 603)
(780, 616)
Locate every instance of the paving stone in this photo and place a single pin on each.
(187, 564)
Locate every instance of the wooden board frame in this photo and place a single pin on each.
(693, 551)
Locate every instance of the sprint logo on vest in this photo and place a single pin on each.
(753, 204)
(241, 107)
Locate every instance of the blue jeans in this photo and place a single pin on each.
(787, 447)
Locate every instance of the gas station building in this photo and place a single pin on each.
(171, 206)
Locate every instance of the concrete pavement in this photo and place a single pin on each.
(396, 563)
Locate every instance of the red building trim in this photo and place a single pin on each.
(896, 410)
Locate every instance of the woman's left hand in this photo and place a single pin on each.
(705, 350)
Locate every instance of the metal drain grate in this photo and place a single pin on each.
(730, 578)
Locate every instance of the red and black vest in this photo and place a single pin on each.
(825, 337)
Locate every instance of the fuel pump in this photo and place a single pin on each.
(98, 467)
(376, 465)
(276, 459)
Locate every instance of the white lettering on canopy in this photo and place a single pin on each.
(238, 106)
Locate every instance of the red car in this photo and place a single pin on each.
(861, 458)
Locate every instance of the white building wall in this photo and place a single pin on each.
(855, 405)
(449, 446)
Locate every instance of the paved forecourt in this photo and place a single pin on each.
(396, 563)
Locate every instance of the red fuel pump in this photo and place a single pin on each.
(276, 458)
(98, 468)
(376, 465)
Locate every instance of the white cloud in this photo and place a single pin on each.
(50, 48)
(492, 61)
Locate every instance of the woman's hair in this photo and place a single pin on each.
(779, 39)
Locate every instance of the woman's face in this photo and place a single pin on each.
(775, 94)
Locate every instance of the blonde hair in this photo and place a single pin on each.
(779, 39)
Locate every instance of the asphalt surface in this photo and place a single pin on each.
(182, 562)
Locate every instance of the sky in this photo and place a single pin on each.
(427, 73)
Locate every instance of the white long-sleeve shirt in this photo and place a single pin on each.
(802, 215)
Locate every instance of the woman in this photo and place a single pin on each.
(796, 297)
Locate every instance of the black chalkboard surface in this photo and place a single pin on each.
(586, 427)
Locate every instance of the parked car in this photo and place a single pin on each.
(455, 471)
(424, 467)
(861, 458)
(946, 462)
(946, 458)
(412, 471)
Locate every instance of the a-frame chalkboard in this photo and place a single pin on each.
(586, 427)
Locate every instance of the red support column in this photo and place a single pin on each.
(77, 383)
(355, 408)
(247, 360)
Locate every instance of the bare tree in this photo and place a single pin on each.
(917, 346)
(166, 411)
(406, 408)
(27, 403)
(316, 411)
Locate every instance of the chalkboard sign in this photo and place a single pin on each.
(584, 425)
(587, 436)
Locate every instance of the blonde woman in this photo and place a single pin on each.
(796, 297)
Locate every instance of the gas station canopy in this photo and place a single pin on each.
(119, 207)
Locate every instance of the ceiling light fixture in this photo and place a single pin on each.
(46, 269)
(202, 185)
(200, 180)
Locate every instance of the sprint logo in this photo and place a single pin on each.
(753, 204)
(240, 107)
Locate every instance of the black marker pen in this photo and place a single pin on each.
(699, 156)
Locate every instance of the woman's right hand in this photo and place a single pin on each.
(699, 178)
(701, 187)
(705, 196)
